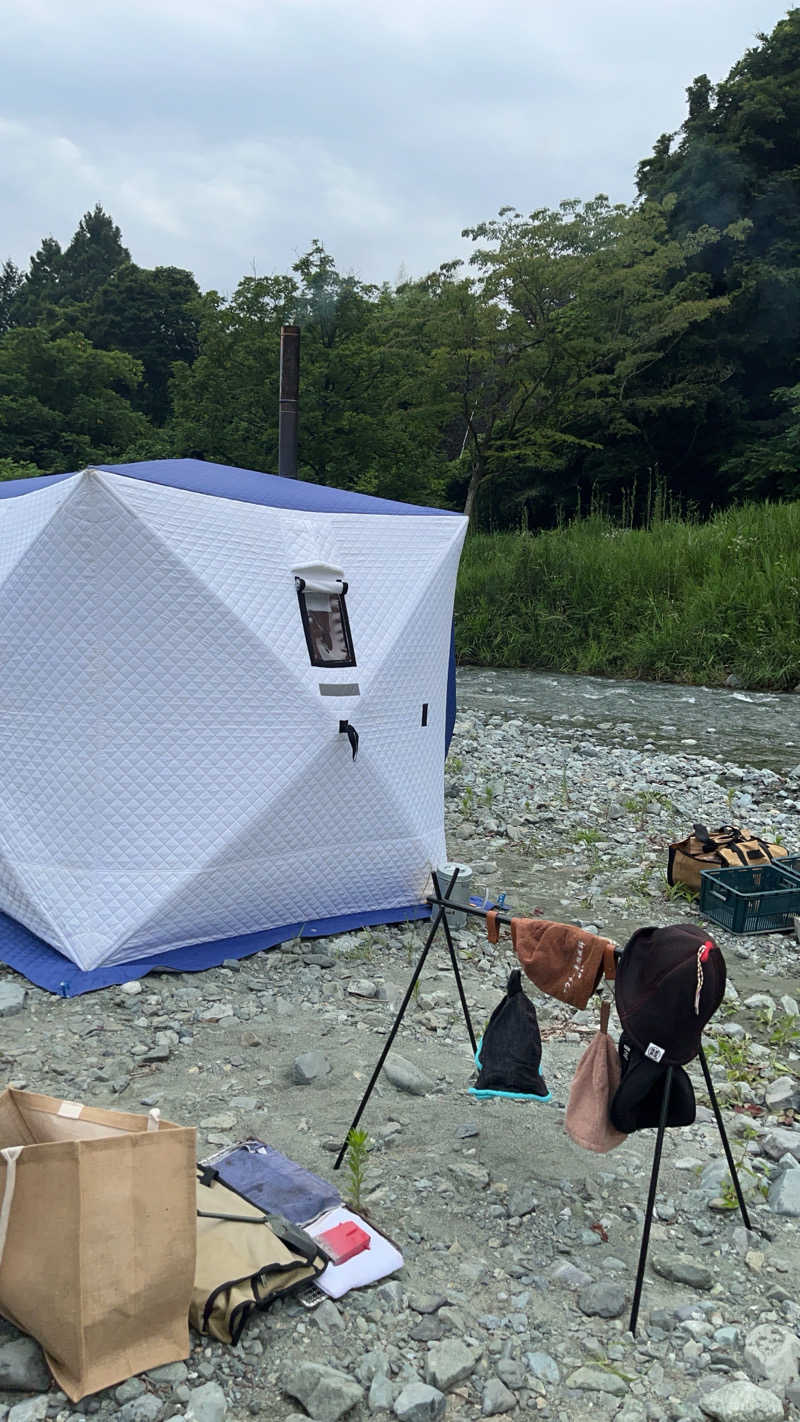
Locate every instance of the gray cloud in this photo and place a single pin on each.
(223, 136)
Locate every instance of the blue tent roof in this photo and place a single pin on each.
(224, 482)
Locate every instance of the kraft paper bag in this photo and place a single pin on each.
(97, 1237)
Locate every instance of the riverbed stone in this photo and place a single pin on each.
(742, 1401)
(419, 1402)
(683, 1271)
(146, 1408)
(497, 1398)
(325, 1392)
(590, 1379)
(22, 1366)
(406, 1076)
(780, 1093)
(543, 1366)
(781, 1141)
(603, 1299)
(12, 999)
(449, 1362)
(309, 1066)
(784, 1193)
(207, 1403)
(33, 1409)
(771, 1353)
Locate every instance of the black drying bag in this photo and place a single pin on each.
(509, 1054)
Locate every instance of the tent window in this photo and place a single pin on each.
(325, 621)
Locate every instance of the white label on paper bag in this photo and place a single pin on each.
(70, 1108)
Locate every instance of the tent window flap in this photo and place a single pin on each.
(321, 595)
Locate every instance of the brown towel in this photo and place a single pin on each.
(564, 961)
(596, 1079)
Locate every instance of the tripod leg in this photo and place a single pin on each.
(434, 929)
(456, 970)
(651, 1199)
(724, 1138)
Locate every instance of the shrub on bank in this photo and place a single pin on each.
(679, 601)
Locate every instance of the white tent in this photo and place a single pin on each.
(187, 651)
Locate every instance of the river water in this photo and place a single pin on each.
(756, 728)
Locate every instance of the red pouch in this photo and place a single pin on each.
(344, 1241)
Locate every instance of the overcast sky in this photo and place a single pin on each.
(224, 135)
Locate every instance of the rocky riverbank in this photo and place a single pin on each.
(520, 1248)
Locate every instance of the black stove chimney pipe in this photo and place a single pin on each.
(287, 404)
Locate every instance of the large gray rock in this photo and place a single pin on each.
(405, 1076)
(33, 1409)
(588, 1379)
(326, 1393)
(22, 1366)
(171, 1373)
(771, 1352)
(683, 1271)
(207, 1403)
(131, 1387)
(381, 1394)
(781, 1141)
(522, 1201)
(543, 1366)
(308, 1067)
(12, 999)
(570, 1276)
(780, 1092)
(420, 1403)
(605, 1299)
(449, 1362)
(496, 1398)
(146, 1408)
(784, 1193)
(742, 1402)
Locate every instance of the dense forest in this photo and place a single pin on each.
(603, 356)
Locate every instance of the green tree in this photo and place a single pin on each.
(152, 316)
(597, 301)
(735, 165)
(10, 282)
(64, 404)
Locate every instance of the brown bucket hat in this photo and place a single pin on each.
(563, 961)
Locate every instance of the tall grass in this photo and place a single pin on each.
(679, 601)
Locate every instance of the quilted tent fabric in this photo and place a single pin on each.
(174, 771)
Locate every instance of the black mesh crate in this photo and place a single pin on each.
(762, 899)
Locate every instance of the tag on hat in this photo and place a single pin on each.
(654, 1052)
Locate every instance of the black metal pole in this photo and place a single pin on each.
(456, 970)
(724, 1138)
(395, 1025)
(651, 1199)
(288, 401)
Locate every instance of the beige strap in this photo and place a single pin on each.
(10, 1157)
(492, 926)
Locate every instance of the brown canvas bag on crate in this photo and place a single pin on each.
(723, 848)
(97, 1237)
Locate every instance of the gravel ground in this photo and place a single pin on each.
(520, 1248)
